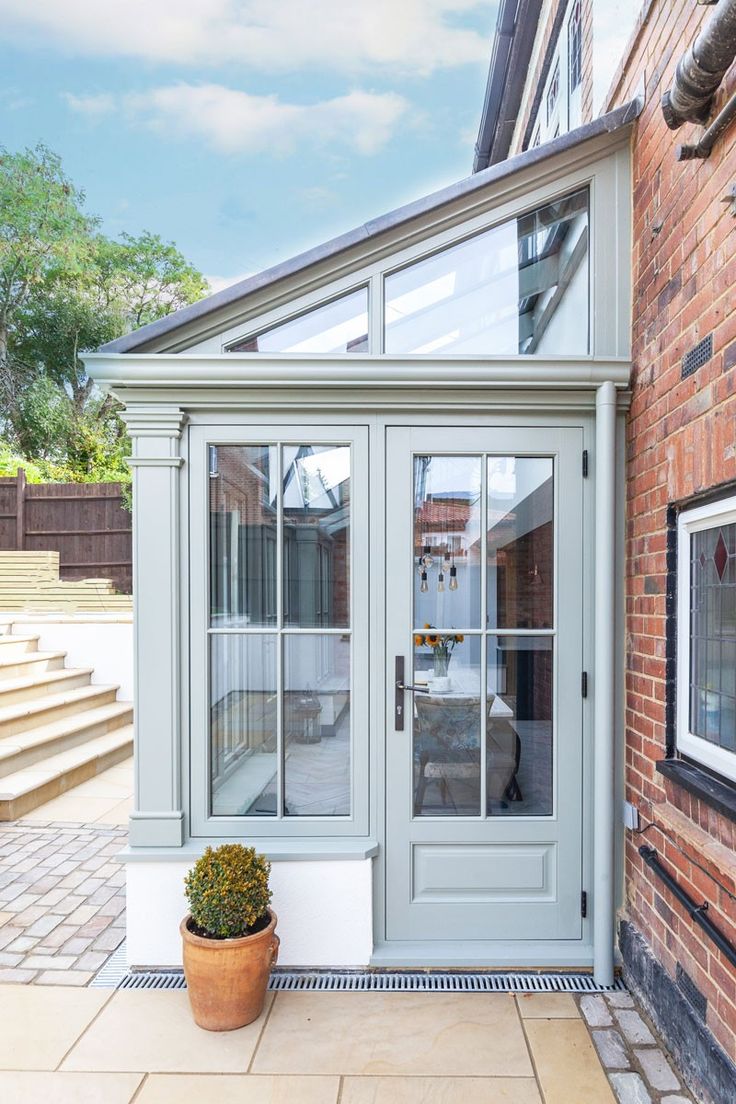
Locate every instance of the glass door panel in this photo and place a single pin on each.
(317, 725)
(242, 526)
(519, 752)
(458, 724)
(316, 497)
(279, 698)
(447, 725)
(520, 555)
(447, 531)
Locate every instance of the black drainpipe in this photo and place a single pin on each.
(701, 69)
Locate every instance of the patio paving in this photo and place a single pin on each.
(62, 913)
(94, 1046)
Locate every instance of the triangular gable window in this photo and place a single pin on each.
(340, 326)
(500, 291)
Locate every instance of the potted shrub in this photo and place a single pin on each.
(229, 937)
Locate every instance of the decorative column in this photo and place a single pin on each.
(604, 682)
(157, 819)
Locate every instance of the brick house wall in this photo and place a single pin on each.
(681, 442)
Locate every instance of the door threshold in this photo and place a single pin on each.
(481, 955)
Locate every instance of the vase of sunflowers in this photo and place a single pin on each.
(442, 645)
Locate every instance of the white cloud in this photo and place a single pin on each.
(403, 36)
(232, 121)
(94, 106)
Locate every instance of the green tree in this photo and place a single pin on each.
(73, 293)
(43, 232)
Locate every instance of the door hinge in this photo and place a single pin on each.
(584, 684)
(583, 904)
(585, 463)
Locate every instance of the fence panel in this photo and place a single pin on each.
(86, 523)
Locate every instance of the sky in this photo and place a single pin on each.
(246, 130)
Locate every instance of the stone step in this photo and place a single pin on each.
(11, 646)
(21, 716)
(37, 686)
(27, 789)
(24, 749)
(34, 662)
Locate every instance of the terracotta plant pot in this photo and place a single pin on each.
(227, 978)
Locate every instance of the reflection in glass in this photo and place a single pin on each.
(447, 521)
(243, 724)
(337, 327)
(317, 535)
(520, 542)
(713, 635)
(521, 287)
(519, 737)
(317, 725)
(242, 494)
(446, 752)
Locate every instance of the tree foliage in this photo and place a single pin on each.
(66, 288)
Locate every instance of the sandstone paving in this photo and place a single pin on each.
(64, 1042)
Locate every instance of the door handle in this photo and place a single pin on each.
(399, 687)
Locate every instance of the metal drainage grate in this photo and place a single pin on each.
(113, 972)
(429, 981)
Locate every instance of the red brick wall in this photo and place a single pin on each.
(681, 440)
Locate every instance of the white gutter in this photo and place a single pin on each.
(179, 370)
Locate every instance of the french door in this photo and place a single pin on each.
(484, 629)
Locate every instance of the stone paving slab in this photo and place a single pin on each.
(62, 900)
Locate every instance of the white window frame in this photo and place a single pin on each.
(710, 516)
(566, 114)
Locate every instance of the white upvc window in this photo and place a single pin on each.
(560, 106)
(706, 637)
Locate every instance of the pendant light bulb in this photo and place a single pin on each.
(440, 582)
(453, 578)
(424, 586)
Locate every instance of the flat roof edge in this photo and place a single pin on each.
(137, 340)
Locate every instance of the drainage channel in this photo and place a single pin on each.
(115, 975)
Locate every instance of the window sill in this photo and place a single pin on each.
(719, 795)
(276, 850)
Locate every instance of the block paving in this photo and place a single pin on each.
(638, 1067)
(62, 900)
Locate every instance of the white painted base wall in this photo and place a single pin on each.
(103, 642)
(324, 908)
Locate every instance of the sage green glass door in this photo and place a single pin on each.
(484, 628)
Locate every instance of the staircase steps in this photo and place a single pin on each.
(33, 687)
(27, 789)
(57, 727)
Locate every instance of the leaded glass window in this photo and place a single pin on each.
(706, 643)
(713, 635)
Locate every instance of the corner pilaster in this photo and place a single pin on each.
(157, 819)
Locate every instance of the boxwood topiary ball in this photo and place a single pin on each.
(227, 890)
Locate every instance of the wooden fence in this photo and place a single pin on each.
(86, 523)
